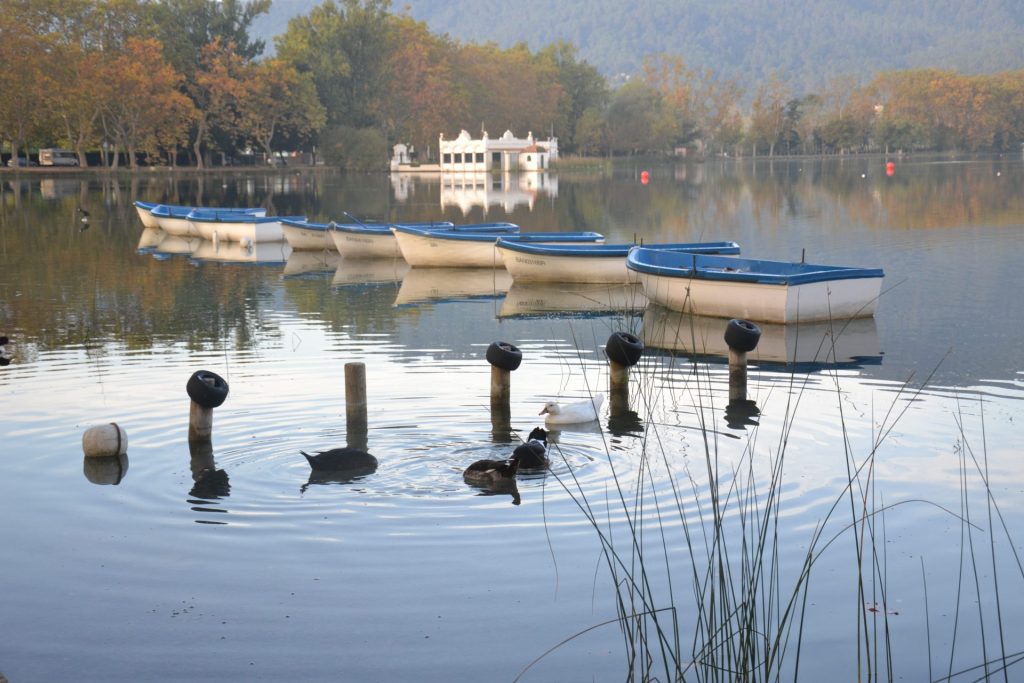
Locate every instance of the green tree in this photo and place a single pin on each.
(583, 88)
(185, 27)
(346, 48)
(592, 132)
(638, 120)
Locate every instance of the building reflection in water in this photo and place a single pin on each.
(470, 190)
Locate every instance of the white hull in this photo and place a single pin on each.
(307, 238)
(362, 245)
(832, 299)
(557, 268)
(148, 219)
(526, 299)
(239, 231)
(431, 251)
(822, 342)
(177, 226)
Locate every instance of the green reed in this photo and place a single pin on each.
(746, 618)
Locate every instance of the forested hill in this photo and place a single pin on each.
(805, 41)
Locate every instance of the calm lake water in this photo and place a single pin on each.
(235, 565)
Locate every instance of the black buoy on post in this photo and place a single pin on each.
(207, 390)
(504, 359)
(741, 336)
(623, 351)
(356, 425)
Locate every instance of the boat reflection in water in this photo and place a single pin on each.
(150, 239)
(354, 272)
(175, 245)
(303, 262)
(422, 285)
(852, 342)
(253, 253)
(545, 298)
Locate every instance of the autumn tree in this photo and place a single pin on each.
(215, 90)
(422, 95)
(144, 104)
(768, 114)
(506, 90)
(25, 56)
(275, 99)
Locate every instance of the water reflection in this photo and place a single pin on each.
(106, 470)
(421, 285)
(849, 342)
(543, 299)
(253, 253)
(303, 262)
(209, 484)
(150, 239)
(506, 487)
(175, 245)
(742, 413)
(369, 272)
(476, 193)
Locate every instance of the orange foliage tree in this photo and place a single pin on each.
(145, 108)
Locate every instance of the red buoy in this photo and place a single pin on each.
(890, 168)
(644, 177)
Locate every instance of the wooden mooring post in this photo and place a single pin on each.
(356, 425)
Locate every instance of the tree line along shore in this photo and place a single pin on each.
(124, 83)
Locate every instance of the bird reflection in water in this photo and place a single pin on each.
(504, 487)
(209, 483)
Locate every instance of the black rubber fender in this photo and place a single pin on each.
(207, 389)
(624, 348)
(504, 356)
(742, 335)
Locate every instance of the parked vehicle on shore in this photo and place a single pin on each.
(57, 157)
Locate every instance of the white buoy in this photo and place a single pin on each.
(105, 441)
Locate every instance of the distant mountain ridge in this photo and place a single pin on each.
(806, 42)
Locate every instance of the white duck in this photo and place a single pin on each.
(570, 413)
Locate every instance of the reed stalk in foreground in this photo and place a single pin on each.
(746, 619)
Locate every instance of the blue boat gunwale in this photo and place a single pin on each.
(178, 211)
(384, 228)
(304, 224)
(481, 232)
(612, 250)
(246, 218)
(686, 265)
(581, 237)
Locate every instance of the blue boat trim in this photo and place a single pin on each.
(175, 211)
(611, 250)
(480, 232)
(683, 265)
(236, 217)
(542, 237)
(305, 225)
(384, 228)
